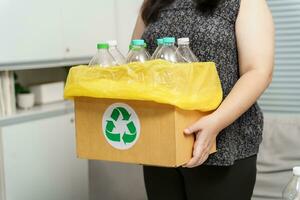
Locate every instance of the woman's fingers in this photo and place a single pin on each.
(193, 128)
(198, 153)
(198, 160)
(204, 157)
(192, 162)
(206, 133)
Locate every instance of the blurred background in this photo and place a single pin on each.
(41, 39)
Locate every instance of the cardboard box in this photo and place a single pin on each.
(139, 132)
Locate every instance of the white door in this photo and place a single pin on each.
(86, 23)
(31, 30)
(40, 161)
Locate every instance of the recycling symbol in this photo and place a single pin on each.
(121, 126)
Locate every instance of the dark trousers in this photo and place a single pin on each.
(202, 183)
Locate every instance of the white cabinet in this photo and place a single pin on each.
(86, 23)
(53, 30)
(39, 161)
(30, 31)
(62, 31)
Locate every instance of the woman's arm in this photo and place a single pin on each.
(255, 40)
(139, 26)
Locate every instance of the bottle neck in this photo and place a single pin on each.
(169, 44)
(102, 50)
(113, 47)
(183, 45)
(137, 47)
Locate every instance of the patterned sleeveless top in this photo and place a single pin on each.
(213, 39)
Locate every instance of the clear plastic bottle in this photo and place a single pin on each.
(116, 54)
(292, 190)
(129, 51)
(138, 53)
(102, 58)
(184, 51)
(168, 51)
(160, 43)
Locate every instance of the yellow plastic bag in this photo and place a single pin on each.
(189, 86)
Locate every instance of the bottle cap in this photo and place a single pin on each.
(112, 43)
(160, 41)
(296, 171)
(138, 42)
(183, 41)
(102, 46)
(169, 40)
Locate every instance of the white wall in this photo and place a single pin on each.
(126, 15)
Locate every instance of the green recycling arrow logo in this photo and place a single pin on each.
(121, 126)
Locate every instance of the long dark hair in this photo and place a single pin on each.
(151, 8)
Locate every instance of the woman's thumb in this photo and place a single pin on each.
(190, 130)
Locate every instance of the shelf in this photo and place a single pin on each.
(43, 64)
(38, 112)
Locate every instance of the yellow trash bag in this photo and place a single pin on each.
(189, 86)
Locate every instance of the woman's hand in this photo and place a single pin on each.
(206, 131)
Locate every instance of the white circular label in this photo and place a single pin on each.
(121, 126)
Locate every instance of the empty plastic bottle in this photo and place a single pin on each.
(138, 53)
(160, 43)
(129, 52)
(292, 190)
(168, 51)
(116, 54)
(102, 58)
(184, 50)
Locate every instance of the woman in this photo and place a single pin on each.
(238, 35)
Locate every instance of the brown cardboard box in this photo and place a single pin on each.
(161, 141)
